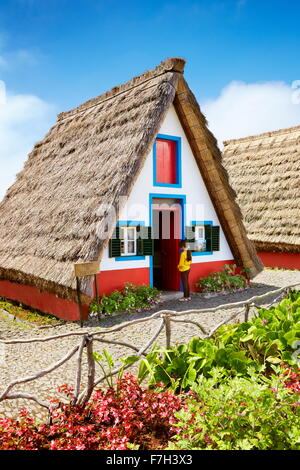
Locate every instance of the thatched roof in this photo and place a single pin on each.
(264, 170)
(92, 155)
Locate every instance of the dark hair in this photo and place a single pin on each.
(182, 244)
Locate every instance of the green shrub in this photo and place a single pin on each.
(239, 414)
(227, 279)
(130, 299)
(178, 367)
(271, 338)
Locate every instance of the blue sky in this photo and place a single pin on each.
(242, 55)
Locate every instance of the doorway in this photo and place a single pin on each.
(166, 217)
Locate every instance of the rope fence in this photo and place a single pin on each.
(87, 339)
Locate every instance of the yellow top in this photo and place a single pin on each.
(184, 265)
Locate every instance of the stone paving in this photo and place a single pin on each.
(25, 359)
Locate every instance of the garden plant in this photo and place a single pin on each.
(238, 390)
(130, 299)
(228, 279)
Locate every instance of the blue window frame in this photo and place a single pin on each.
(178, 183)
(201, 222)
(182, 199)
(129, 223)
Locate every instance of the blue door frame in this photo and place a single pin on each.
(182, 199)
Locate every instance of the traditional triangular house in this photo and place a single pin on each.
(264, 170)
(98, 187)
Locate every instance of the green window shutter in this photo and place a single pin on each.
(115, 244)
(215, 238)
(139, 241)
(147, 243)
(208, 237)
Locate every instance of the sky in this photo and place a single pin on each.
(242, 62)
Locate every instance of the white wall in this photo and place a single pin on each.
(198, 203)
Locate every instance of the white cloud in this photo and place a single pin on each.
(24, 119)
(244, 109)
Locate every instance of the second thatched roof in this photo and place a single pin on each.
(264, 170)
(93, 155)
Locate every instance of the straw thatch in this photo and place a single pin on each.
(264, 170)
(93, 155)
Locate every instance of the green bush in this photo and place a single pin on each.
(239, 414)
(271, 338)
(178, 367)
(130, 299)
(227, 279)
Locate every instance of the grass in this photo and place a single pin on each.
(26, 314)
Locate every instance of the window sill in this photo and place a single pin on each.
(201, 253)
(168, 185)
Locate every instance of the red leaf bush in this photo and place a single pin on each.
(112, 419)
(292, 378)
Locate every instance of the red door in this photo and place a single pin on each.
(166, 161)
(168, 246)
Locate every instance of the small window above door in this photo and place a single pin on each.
(167, 161)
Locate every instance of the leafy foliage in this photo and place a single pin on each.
(131, 299)
(227, 279)
(179, 367)
(272, 337)
(239, 414)
(269, 339)
(225, 393)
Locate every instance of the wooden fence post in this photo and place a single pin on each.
(97, 297)
(91, 369)
(247, 308)
(168, 330)
(79, 301)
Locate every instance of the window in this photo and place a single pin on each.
(203, 237)
(200, 240)
(131, 242)
(167, 161)
(128, 241)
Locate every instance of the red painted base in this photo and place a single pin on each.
(43, 301)
(204, 269)
(109, 281)
(280, 260)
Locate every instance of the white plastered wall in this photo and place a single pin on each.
(198, 204)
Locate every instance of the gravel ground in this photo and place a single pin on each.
(25, 359)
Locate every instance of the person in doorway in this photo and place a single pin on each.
(184, 267)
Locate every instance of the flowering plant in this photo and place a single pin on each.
(130, 299)
(227, 279)
(114, 419)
